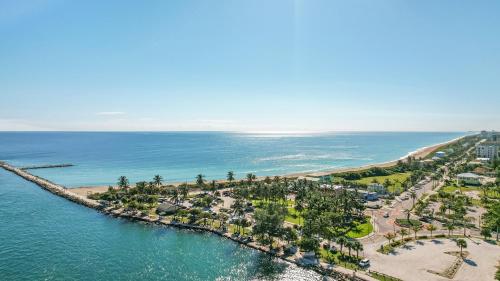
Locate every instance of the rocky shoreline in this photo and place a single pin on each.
(79, 199)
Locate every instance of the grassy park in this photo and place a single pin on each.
(395, 180)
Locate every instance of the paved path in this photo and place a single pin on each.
(411, 263)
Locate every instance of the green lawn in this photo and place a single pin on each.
(452, 189)
(361, 230)
(337, 259)
(406, 223)
(401, 177)
(293, 216)
(244, 230)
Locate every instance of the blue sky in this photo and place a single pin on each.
(250, 65)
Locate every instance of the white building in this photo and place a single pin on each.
(440, 154)
(377, 187)
(469, 178)
(487, 150)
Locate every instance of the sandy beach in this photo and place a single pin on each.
(418, 154)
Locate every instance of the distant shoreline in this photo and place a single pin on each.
(418, 154)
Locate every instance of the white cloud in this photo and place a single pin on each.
(14, 124)
(110, 113)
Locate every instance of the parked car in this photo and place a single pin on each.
(364, 263)
(386, 215)
(425, 219)
(333, 248)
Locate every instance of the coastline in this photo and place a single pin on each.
(418, 154)
(340, 274)
(79, 196)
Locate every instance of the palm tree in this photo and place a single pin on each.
(123, 182)
(413, 196)
(450, 228)
(403, 232)
(466, 221)
(357, 246)
(200, 180)
(462, 244)
(416, 229)
(213, 186)
(230, 177)
(431, 228)
(387, 183)
(442, 210)
(342, 240)
(349, 245)
(157, 180)
(250, 177)
(140, 187)
(390, 236)
(184, 191)
(174, 196)
(408, 213)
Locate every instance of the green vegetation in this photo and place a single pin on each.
(269, 223)
(263, 210)
(408, 223)
(336, 257)
(394, 181)
(294, 217)
(461, 243)
(382, 277)
(360, 229)
(491, 219)
(490, 193)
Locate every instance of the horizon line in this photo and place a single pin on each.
(244, 131)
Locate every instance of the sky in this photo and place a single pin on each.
(303, 65)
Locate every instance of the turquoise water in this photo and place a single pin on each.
(100, 158)
(44, 237)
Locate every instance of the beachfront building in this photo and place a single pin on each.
(377, 188)
(440, 154)
(469, 178)
(487, 150)
(368, 196)
(365, 194)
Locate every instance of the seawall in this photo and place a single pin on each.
(52, 187)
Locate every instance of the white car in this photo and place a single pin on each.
(364, 263)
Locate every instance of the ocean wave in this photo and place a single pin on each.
(306, 157)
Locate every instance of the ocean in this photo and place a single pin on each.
(100, 158)
(44, 237)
